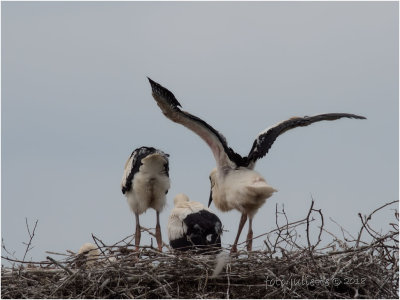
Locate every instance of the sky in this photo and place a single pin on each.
(75, 102)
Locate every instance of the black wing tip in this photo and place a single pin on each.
(151, 81)
(334, 116)
(353, 116)
(347, 115)
(158, 89)
(359, 117)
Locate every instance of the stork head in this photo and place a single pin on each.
(213, 177)
(180, 198)
(88, 254)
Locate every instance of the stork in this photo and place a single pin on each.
(145, 184)
(88, 255)
(234, 183)
(191, 225)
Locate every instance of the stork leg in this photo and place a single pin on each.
(241, 224)
(250, 235)
(137, 234)
(158, 232)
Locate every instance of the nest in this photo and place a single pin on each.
(291, 266)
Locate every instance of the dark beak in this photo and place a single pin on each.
(210, 200)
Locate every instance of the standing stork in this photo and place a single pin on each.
(192, 225)
(145, 184)
(234, 183)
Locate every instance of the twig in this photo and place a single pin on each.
(152, 234)
(30, 237)
(60, 265)
(372, 270)
(369, 218)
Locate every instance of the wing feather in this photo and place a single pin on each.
(265, 139)
(166, 100)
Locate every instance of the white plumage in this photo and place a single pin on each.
(88, 254)
(234, 183)
(145, 184)
(182, 208)
(192, 225)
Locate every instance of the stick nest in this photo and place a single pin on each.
(290, 266)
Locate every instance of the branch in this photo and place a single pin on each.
(60, 265)
(364, 223)
(30, 237)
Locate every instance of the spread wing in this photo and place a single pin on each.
(224, 156)
(265, 139)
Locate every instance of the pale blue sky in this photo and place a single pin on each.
(76, 102)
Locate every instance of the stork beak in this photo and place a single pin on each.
(210, 200)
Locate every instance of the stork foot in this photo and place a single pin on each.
(159, 239)
(249, 242)
(158, 232)
(137, 237)
(234, 249)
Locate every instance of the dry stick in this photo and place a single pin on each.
(277, 226)
(160, 284)
(60, 265)
(335, 241)
(343, 231)
(289, 238)
(95, 239)
(367, 228)
(321, 228)
(152, 234)
(5, 249)
(369, 218)
(359, 249)
(308, 224)
(376, 261)
(300, 222)
(310, 248)
(228, 270)
(30, 237)
(25, 262)
(132, 236)
(61, 254)
(286, 218)
(62, 285)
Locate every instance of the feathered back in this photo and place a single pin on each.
(134, 162)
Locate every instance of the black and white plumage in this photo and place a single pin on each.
(234, 183)
(191, 225)
(145, 184)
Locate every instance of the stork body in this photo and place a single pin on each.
(145, 184)
(243, 189)
(193, 226)
(234, 183)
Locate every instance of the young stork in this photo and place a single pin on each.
(234, 183)
(88, 255)
(191, 225)
(145, 183)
